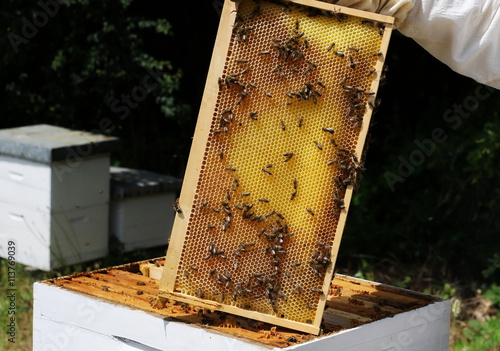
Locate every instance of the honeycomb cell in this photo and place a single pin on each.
(292, 99)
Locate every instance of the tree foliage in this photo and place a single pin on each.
(439, 213)
(85, 65)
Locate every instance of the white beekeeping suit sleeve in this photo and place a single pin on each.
(463, 34)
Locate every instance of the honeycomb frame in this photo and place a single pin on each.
(276, 155)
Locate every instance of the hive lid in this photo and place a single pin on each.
(46, 143)
(126, 182)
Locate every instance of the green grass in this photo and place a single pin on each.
(25, 278)
(477, 336)
(23, 308)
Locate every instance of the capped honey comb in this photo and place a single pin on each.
(275, 158)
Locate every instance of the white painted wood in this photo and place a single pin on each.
(65, 320)
(423, 329)
(83, 183)
(60, 187)
(63, 337)
(19, 194)
(30, 174)
(57, 213)
(142, 221)
(46, 239)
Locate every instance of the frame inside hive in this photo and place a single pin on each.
(275, 157)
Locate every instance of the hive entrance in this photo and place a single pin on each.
(275, 158)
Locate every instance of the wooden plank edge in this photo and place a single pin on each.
(345, 10)
(262, 317)
(200, 139)
(389, 288)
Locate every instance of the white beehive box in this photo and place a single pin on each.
(141, 213)
(54, 194)
(110, 309)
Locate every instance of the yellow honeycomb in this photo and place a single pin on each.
(279, 158)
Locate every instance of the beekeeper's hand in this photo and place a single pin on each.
(465, 35)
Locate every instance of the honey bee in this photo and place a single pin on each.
(372, 71)
(339, 53)
(288, 156)
(317, 291)
(176, 206)
(352, 63)
(319, 146)
(320, 83)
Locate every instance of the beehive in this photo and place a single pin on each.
(275, 158)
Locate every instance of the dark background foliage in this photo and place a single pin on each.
(439, 222)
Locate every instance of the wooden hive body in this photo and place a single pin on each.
(275, 157)
(111, 309)
(54, 195)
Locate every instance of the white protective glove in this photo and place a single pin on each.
(463, 34)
